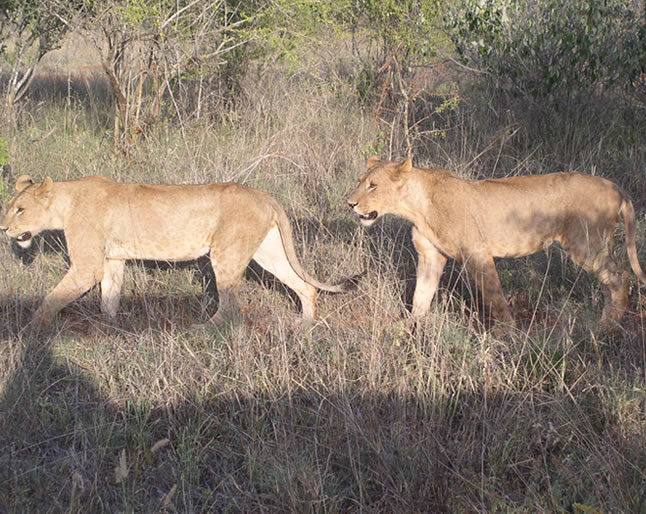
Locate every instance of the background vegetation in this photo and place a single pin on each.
(163, 412)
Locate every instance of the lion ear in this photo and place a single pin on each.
(406, 166)
(45, 187)
(373, 161)
(47, 184)
(401, 172)
(23, 182)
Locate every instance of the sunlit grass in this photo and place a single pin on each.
(360, 411)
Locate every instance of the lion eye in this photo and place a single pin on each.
(372, 186)
(19, 211)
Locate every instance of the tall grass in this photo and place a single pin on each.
(358, 412)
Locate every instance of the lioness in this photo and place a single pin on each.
(105, 223)
(475, 221)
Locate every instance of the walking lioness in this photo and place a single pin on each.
(475, 221)
(105, 223)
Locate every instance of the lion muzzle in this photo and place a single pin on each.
(367, 219)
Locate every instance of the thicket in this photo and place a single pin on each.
(552, 50)
(565, 78)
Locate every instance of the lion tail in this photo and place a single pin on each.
(286, 235)
(628, 212)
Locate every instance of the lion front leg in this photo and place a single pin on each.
(74, 284)
(430, 264)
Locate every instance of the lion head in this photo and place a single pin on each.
(379, 189)
(28, 212)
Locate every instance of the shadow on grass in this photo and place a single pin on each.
(68, 445)
(65, 445)
(54, 242)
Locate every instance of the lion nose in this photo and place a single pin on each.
(352, 204)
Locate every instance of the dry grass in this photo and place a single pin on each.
(358, 412)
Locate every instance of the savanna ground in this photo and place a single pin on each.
(164, 412)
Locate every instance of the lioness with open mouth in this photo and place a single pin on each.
(106, 223)
(475, 221)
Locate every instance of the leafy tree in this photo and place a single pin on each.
(407, 36)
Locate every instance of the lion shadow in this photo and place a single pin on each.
(53, 242)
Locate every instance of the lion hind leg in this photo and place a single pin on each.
(617, 300)
(230, 255)
(616, 283)
(111, 286)
(271, 256)
(483, 271)
(228, 270)
(228, 308)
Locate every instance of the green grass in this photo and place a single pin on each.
(161, 412)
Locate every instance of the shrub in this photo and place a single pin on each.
(553, 49)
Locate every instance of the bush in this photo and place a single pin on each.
(553, 49)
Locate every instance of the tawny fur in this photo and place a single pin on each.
(106, 223)
(475, 221)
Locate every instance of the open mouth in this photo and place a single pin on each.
(371, 216)
(24, 239)
(25, 236)
(368, 219)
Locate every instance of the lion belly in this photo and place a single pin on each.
(159, 243)
(519, 248)
(160, 250)
(161, 227)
